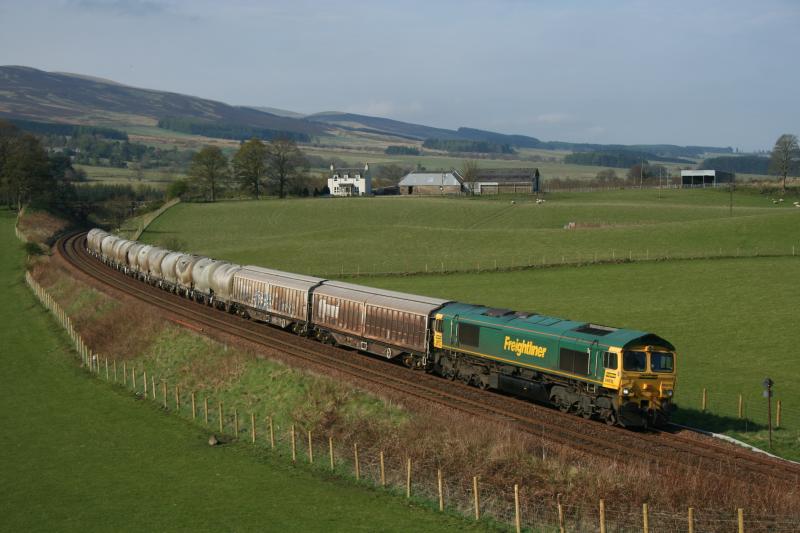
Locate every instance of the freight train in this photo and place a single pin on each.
(621, 376)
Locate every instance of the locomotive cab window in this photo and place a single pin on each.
(610, 361)
(634, 361)
(661, 362)
(437, 325)
(469, 335)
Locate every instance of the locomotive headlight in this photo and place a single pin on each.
(626, 391)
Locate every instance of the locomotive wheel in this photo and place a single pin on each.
(408, 360)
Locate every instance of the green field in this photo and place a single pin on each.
(733, 319)
(397, 234)
(80, 455)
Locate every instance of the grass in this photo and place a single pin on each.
(81, 455)
(335, 236)
(733, 320)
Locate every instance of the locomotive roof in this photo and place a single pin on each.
(547, 325)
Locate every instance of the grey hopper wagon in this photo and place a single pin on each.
(202, 274)
(274, 296)
(222, 283)
(384, 322)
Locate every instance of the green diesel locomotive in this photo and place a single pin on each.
(622, 376)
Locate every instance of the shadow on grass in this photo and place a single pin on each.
(713, 422)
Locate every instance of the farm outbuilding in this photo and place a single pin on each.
(505, 181)
(431, 183)
(705, 178)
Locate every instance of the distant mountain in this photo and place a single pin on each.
(69, 98)
(53, 97)
(354, 122)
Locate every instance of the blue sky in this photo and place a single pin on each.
(704, 72)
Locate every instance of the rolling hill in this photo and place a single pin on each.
(76, 99)
(32, 94)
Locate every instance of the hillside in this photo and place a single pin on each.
(32, 94)
(68, 98)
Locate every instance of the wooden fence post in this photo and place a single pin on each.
(236, 422)
(219, 413)
(205, 409)
(124, 372)
(645, 519)
(294, 446)
(383, 471)
(561, 526)
(517, 519)
(476, 498)
(177, 398)
(115, 370)
(778, 415)
(740, 517)
(310, 449)
(164, 392)
(691, 519)
(144, 378)
(253, 427)
(355, 459)
(133, 378)
(705, 400)
(408, 478)
(271, 434)
(330, 451)
(194, 407)
(602, 516)
(153, 386)
(106, 360)
(440, 487)
(741, 405)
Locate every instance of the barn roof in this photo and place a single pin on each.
(430, 178)
(506, 175)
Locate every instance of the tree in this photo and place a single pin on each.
(250, 166)
(26, 171)
(784, 154)
(469, 171)
(208, 171)
(285, 162)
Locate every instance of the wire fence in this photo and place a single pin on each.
(410, 476)
(522, 261)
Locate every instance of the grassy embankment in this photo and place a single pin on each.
(733, 320)
(79, 454)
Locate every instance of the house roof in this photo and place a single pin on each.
(506, 175)
(430, 178)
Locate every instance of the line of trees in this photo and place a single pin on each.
(28, 175)
(278, 165)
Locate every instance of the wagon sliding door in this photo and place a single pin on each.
(399, 328)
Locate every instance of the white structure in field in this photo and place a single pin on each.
(350, 181)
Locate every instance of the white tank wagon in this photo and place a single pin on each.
(202, 275)
(107, 247)
(141, 260)
(121, 253)
(273, 296)
(222, 285)
(133, 256)
(183, 271)
(382, 322)
(93, 240)
(169, 277)
(154, 257)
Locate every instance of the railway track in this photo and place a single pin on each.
(659, 450)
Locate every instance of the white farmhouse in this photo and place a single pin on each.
(350, 181)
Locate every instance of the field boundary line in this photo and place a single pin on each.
(151, 217)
